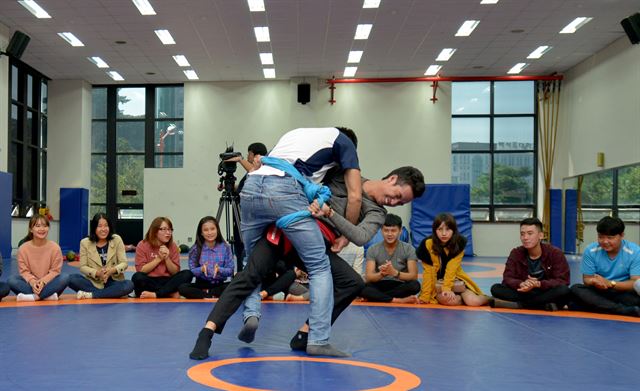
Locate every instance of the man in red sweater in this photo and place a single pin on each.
(536, 275)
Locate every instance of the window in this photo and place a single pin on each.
(133, 128)
(27, 138)
(493, 147)
(613, 192)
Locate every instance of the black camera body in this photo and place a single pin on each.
(228, 167)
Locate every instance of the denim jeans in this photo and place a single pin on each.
(263, 200)
(57, 285)
(112, 289)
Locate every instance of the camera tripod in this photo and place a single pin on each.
(229, 205)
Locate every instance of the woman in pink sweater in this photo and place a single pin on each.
(158, 271)
(39, 265)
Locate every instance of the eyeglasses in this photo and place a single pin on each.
(166, 229)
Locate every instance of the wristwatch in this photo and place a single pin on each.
(613, 284)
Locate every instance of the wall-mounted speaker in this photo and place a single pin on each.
(17, 44)
(631, 26)
(304, 93)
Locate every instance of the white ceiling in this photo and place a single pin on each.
(311, 38)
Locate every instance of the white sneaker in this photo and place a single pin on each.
(53, 297)
(25, 297)
(278, 296)
(84, 295)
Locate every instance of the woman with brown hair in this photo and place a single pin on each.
(39, 265)
(443, 280)
(158, 272)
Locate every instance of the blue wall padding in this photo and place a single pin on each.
(440, 198)
(6, 195)
(74, 217)
(570, 220)
(555, 217)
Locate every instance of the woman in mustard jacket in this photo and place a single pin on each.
(102, 263)
(443, 280)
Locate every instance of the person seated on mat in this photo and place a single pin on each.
(39, 265)
(158, 272)
(392, 269)
(210, 261)
(397, 188)
(4, 287)
(610, 268)
(536, 275)
(102, 263)
(282, 284)
(443, 280)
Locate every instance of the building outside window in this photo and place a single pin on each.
(493, 147)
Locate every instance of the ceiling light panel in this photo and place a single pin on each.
(181, 60)
(467, 28)
(349, 71)
(266, 58)
(363, 31)
(100, 63)
(190, 74)
(115, 76)
(445, 54)
(35, 9)
(575, 25)
(256, 5)
(433, 70)
(262, 34)
(489, 2)
(371, 4)
(269, 73)
(72, 39)
(354, 56)
(517, 68)
(165, 37)
(144, 7)
(539, 52)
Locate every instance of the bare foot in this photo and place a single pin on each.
(406, 300)
(175, 295)
(291, 297)
(148, 295)
(360, 299)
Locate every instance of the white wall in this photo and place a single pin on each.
(396, 125)
(68, 139)
(600, 112)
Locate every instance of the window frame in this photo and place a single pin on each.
(31, 149)
(111, 204)
(492, 207)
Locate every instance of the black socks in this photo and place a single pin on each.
(299, 341)
(203, 343)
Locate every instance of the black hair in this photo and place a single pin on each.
(455, 245)
(258, 149)
(32, 222)
(532, 221)
(610, 226)
(349, 133)
(200, 238)
(393, 221)
(411, 176)
(93, 225)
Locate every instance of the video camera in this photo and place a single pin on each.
(228, 167)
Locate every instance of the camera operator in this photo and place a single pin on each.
(247, 164)
(253, 150)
